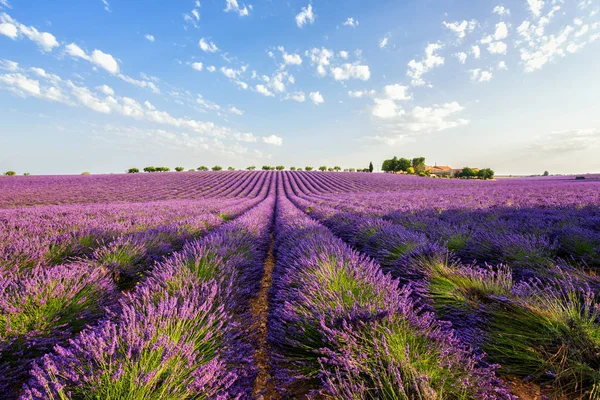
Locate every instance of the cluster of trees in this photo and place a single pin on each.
(474, 173)
(414, 166)
(13, 173)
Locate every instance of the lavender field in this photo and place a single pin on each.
(269, 285)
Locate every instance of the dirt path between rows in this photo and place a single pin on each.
(264, 387)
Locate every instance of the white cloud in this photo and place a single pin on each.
(107, 90)
(274, 140)
(397, 92)
(501, 32)
(208, 46)
(360, 93)
(536, 6)
(545, 49)
(462, 57)
(497, 48)
(316, 98)
(298, 96)
(351, 22)
(321, 58)
(276, 82)
(13, 29)
(344, 54)
(105, 60)
(194, 16)
(9, 30)
(241, 84)
(351, 71)
(502, 66)
(245, 137)
(98, 58)
(476, 51)
(197, 66)
(568, 141)
(106, 6)
(209, 105)
(290, 59)
(233, 6)
(150, 37)
(262, 89)
(305, 16)
(5, 3)
(501, 10)
(9, 65)
(384, 41)
(69, 93)
(461, 28)
(21, 84)
(236, 111)
(418, 68)
(230, 72)
(477, 75)
(433, 119)
(211, 68)
(386, 108)
(140, 83)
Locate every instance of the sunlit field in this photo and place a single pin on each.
(273, 284)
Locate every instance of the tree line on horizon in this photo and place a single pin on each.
(322, 168)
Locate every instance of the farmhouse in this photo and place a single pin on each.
(441, 170)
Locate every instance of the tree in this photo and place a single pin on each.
(10, 173)
(266, 168)
(162, 169)
(150, 169)
(299, 169)
(202, 168)
(466, 172)
(403, 165)
(179, 169)
(337, 168)
(191, 170)
(387, 166)
(251, 168)
(230, 169)
(410, 170)
(322, 168)
(26, 174)
(418, 164)
(546, 173)
(308, 168)
(280, 168)
(133, 171)
(217, 168)
(85, 173)
(351, 169)
(486, 173)
(292, 168)
(370, 166)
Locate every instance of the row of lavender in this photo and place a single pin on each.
(180, 334)
(539, 317)
(340, 328)
(40, 190)
(51, 235)
(64, 267)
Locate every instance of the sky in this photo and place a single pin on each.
(106, 85)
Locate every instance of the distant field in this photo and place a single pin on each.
(225, 285)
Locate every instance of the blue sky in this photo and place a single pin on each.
(107, 85)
